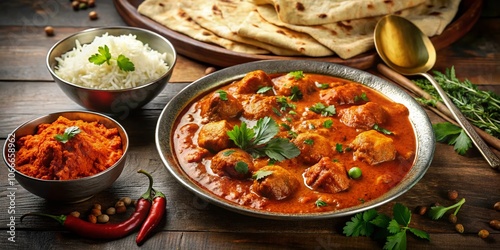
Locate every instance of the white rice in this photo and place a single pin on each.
(74, 66)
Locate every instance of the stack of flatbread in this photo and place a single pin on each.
(294, 27)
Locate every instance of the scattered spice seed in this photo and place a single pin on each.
(111, 211)
(421, 210)
(103, 218)
(121, 209)
(483, 233)
(49, 31)
(452, 195)
(82, 6)
(210, 70)
(495, 224)
(91, 3)
(97, 206)
(95, 212)
(93, 15)
(126, 200)
(452, 218)
(497, 206)
(75, 214)
(459, 228)
(92, 219)
(75, 5)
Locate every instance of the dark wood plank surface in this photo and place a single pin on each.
(27, 91)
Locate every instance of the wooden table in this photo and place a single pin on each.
(27, 91)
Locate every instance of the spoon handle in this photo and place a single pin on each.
(490, 157)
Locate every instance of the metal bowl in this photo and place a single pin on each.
(418, 118)
(113, 101)
(70, 191)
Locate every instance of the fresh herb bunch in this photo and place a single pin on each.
(260, 140)
(69, 133)
(104, 56)
(453, 135)
(380, 226)
(482, 108)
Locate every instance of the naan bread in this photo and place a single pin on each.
(169, 14)
(353, 37)
(257, 28)
(224, 17)
(308, 12)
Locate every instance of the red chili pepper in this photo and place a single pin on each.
(155, 216)
(109, 231)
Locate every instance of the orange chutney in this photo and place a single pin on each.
(89, 152)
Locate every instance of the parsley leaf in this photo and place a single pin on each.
(69, 133)
(260, 140)
(261, 174)
(437, 212)
(382, 130)
(320, 108)
(296, 94)
(370, 223)
(297, 75)
(320, 203)
(241, 167)
(264, 89)
(328, 123)
(103, 55)
(453, 135)
(222, 94)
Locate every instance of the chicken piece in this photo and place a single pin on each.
(253, 81)
(279, 185)
(225, 162)
(327, 176)
(259, 107)
(373, 147)
(213, 136)
(363, 116)
(348, 93)
(287, 85)
(219, 106)
(313, 147)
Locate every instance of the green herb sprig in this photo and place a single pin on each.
(482, 108)
(453, 135)
(104, 56)
(69, 133)
(260, 140)
(374, 224)
(436, 212)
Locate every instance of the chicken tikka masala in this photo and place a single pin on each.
(286, 142)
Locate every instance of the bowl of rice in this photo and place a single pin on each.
(112, 69)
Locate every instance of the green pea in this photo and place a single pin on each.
(355, 172)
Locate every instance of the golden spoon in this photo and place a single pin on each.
(404, 48)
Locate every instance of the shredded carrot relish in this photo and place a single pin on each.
(91, 151)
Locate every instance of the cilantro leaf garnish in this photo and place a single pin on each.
(363, 97)
(453, 135)
(296, 94)
(103, 55)
(382, 130)
(260, 140)
(222, 94)
(284, 104)
(320, 203)
(371, 223)
(69, 133)
(322, 85)
(297, 75)
(241, 167)
(320, 108)
(261, 174)
(328, 123)
(437, 212)
(264, 89)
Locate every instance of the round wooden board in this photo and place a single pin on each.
(467, 15)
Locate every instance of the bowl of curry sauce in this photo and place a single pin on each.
(277, 139)
(67, 156)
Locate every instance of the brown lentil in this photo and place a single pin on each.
(49, 31)
(452, 218)
(210, 70)
(497, 206)
(92, 218)
(421, 210)
(495, 224)
(452, 195)
(459, 228)
(75, 214)
(119, 203)
(93, 15)
(111, 211)
(483, 233)
(126, 200)
(103, 218)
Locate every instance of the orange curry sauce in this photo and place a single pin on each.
(320, 172)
